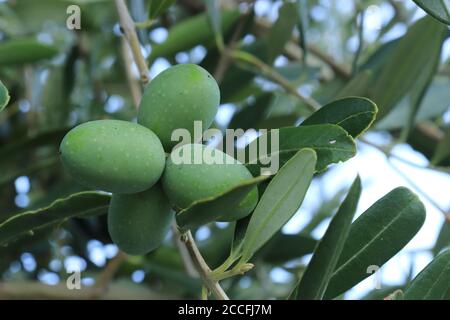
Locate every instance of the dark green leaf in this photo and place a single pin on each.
(212, 209)
(420, 46)
(285, 247)
(281, 31)
(22, 51)
(215, 19)
(315, 280)
(83, 204)
(280, 201)
(252, 113)
(4, 96)
(331, 143)
(354, 114)
(443, 239)
(439, 9)
(191, 32)
(376, 236)
(433, 282)
(158, 7)
(239, 235)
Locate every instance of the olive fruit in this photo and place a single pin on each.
(176, 98)
(138, 223)
(113, 155)
(191, 175)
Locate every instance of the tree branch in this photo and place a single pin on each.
(204, 270)
(128, 27)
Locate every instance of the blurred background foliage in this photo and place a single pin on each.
(326, 49)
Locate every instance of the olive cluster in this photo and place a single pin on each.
(129, 160)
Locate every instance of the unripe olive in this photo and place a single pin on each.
(176, 98)
(138, 223)
(113, 155)
(191, 175)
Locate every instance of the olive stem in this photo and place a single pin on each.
(273, 75)
(101, 287)
(128, 28)
(185, 256)
(238, 270)
(205, 272)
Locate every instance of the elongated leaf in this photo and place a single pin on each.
(280, 201)
(443, 239)
(158, 7)
(433, 282)
(239, 234)
(331, 143)
(404, 66)
(215, 20)
(302, 26)
(21, 51)
(17, 148)
(439, 9)
(252, 113)
(354, 114)
(191, 32)
(4, 96)
(376, 236)
(315, 280)
(212, 209)
(285, 247)
(82, 204)
(281, 31)
(442, 149)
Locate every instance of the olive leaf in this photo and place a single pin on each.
(82, 204)
(433, 282)
(158, 7)
(354, 114)
(375, 237)
(314, 281)
(331, 143)
(439, 9)
(280, 201)
(22, 51)
(420, 47)
(4, 96)
(213, 208)
(191, 32)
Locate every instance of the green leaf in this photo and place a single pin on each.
(191, 32)
(158, 7)
(354, 114)
(443, 239)
(331, 143)
(4, 96)
(302, 26)
(439, 9)
(315, 280)
(433, 282)
(419, 47)
(240, 228)
(252, 113)
(442, 149)
(280, 201)
(212, 209)
(376, 236)
(281, 31)
(285, 247)
(22, 51)
(82, 204)
(215, 19)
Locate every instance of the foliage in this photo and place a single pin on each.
(275, 71)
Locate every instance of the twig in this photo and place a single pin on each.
(103, 281)
(129, 31)
(272, 74)
(133, 84)
(204, 270)
(360, 41)
(396, 157)
(187, 261)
